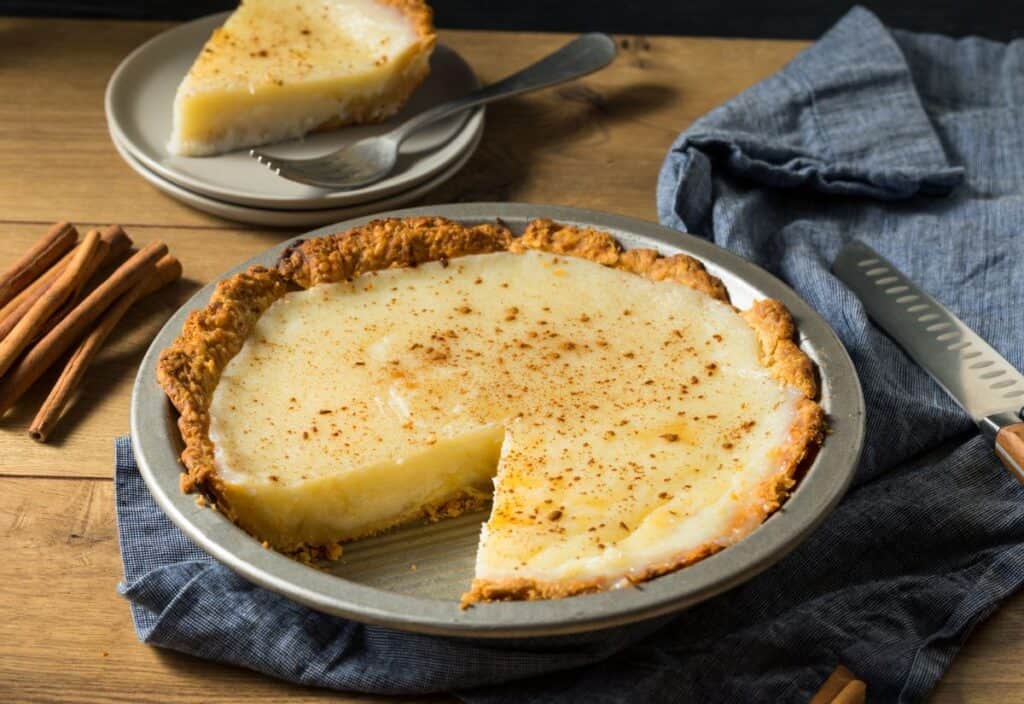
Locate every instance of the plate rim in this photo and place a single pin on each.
(291, 218)
(470, 129)
(817, 494)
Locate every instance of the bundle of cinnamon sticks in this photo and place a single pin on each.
(66, 294)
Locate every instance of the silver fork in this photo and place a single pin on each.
(369, 160)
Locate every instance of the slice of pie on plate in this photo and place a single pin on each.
(627, 420)
(278, 70)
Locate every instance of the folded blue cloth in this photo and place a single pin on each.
(910, 142)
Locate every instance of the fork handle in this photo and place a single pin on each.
(579, 57)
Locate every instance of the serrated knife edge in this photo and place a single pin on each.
(974, 374)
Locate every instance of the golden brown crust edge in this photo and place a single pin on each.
(601, 247)
(191, 367)
(805, 435)
(778, 352)
(387, 244)
(415, 64)
(188, 370)
(419, 14)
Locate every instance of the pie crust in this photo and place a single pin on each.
(189, 369)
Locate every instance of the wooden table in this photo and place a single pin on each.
(65, 635)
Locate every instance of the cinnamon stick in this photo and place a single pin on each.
(71, 329)
(15, 309)
(69, 281)
(50, 247)
(115, 242)
(165, 272)
(841, 687)
(81, 279)
(117, 238)
(119, 243)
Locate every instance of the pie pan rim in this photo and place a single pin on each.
(155, 441)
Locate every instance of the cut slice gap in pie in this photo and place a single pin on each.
(279, 70)
(628, 418)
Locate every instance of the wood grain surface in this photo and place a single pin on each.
(65, 635)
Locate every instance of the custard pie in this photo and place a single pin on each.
(621, 416)
(278, 70)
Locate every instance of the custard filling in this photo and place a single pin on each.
(621, 421)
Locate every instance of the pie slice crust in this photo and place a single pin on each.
(277, 71)
(191, 368)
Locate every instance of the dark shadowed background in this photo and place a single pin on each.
(996, 19)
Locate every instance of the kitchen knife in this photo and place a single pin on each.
(967, 368)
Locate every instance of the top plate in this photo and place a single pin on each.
(412, 578)
(140, 97)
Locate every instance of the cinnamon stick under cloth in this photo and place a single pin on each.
(73, 327)
(50, 247)
(165, 272)
(841, 687)
(78, 270)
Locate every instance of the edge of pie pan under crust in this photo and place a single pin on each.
(157, 444)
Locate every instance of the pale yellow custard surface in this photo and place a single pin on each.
(277, 70)
(624, 422)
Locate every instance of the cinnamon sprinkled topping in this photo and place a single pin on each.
(554, 384)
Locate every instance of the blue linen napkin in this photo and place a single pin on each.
(912, 143)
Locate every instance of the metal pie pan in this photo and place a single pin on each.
(410, 579)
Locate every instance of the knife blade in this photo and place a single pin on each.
(967, 368)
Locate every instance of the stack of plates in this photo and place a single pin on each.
(139, 103)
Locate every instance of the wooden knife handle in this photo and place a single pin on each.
(1010, 449)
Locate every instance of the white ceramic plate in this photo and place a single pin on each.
(266, 217)
(139, 101)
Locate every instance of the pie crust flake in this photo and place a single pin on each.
(631, 420)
